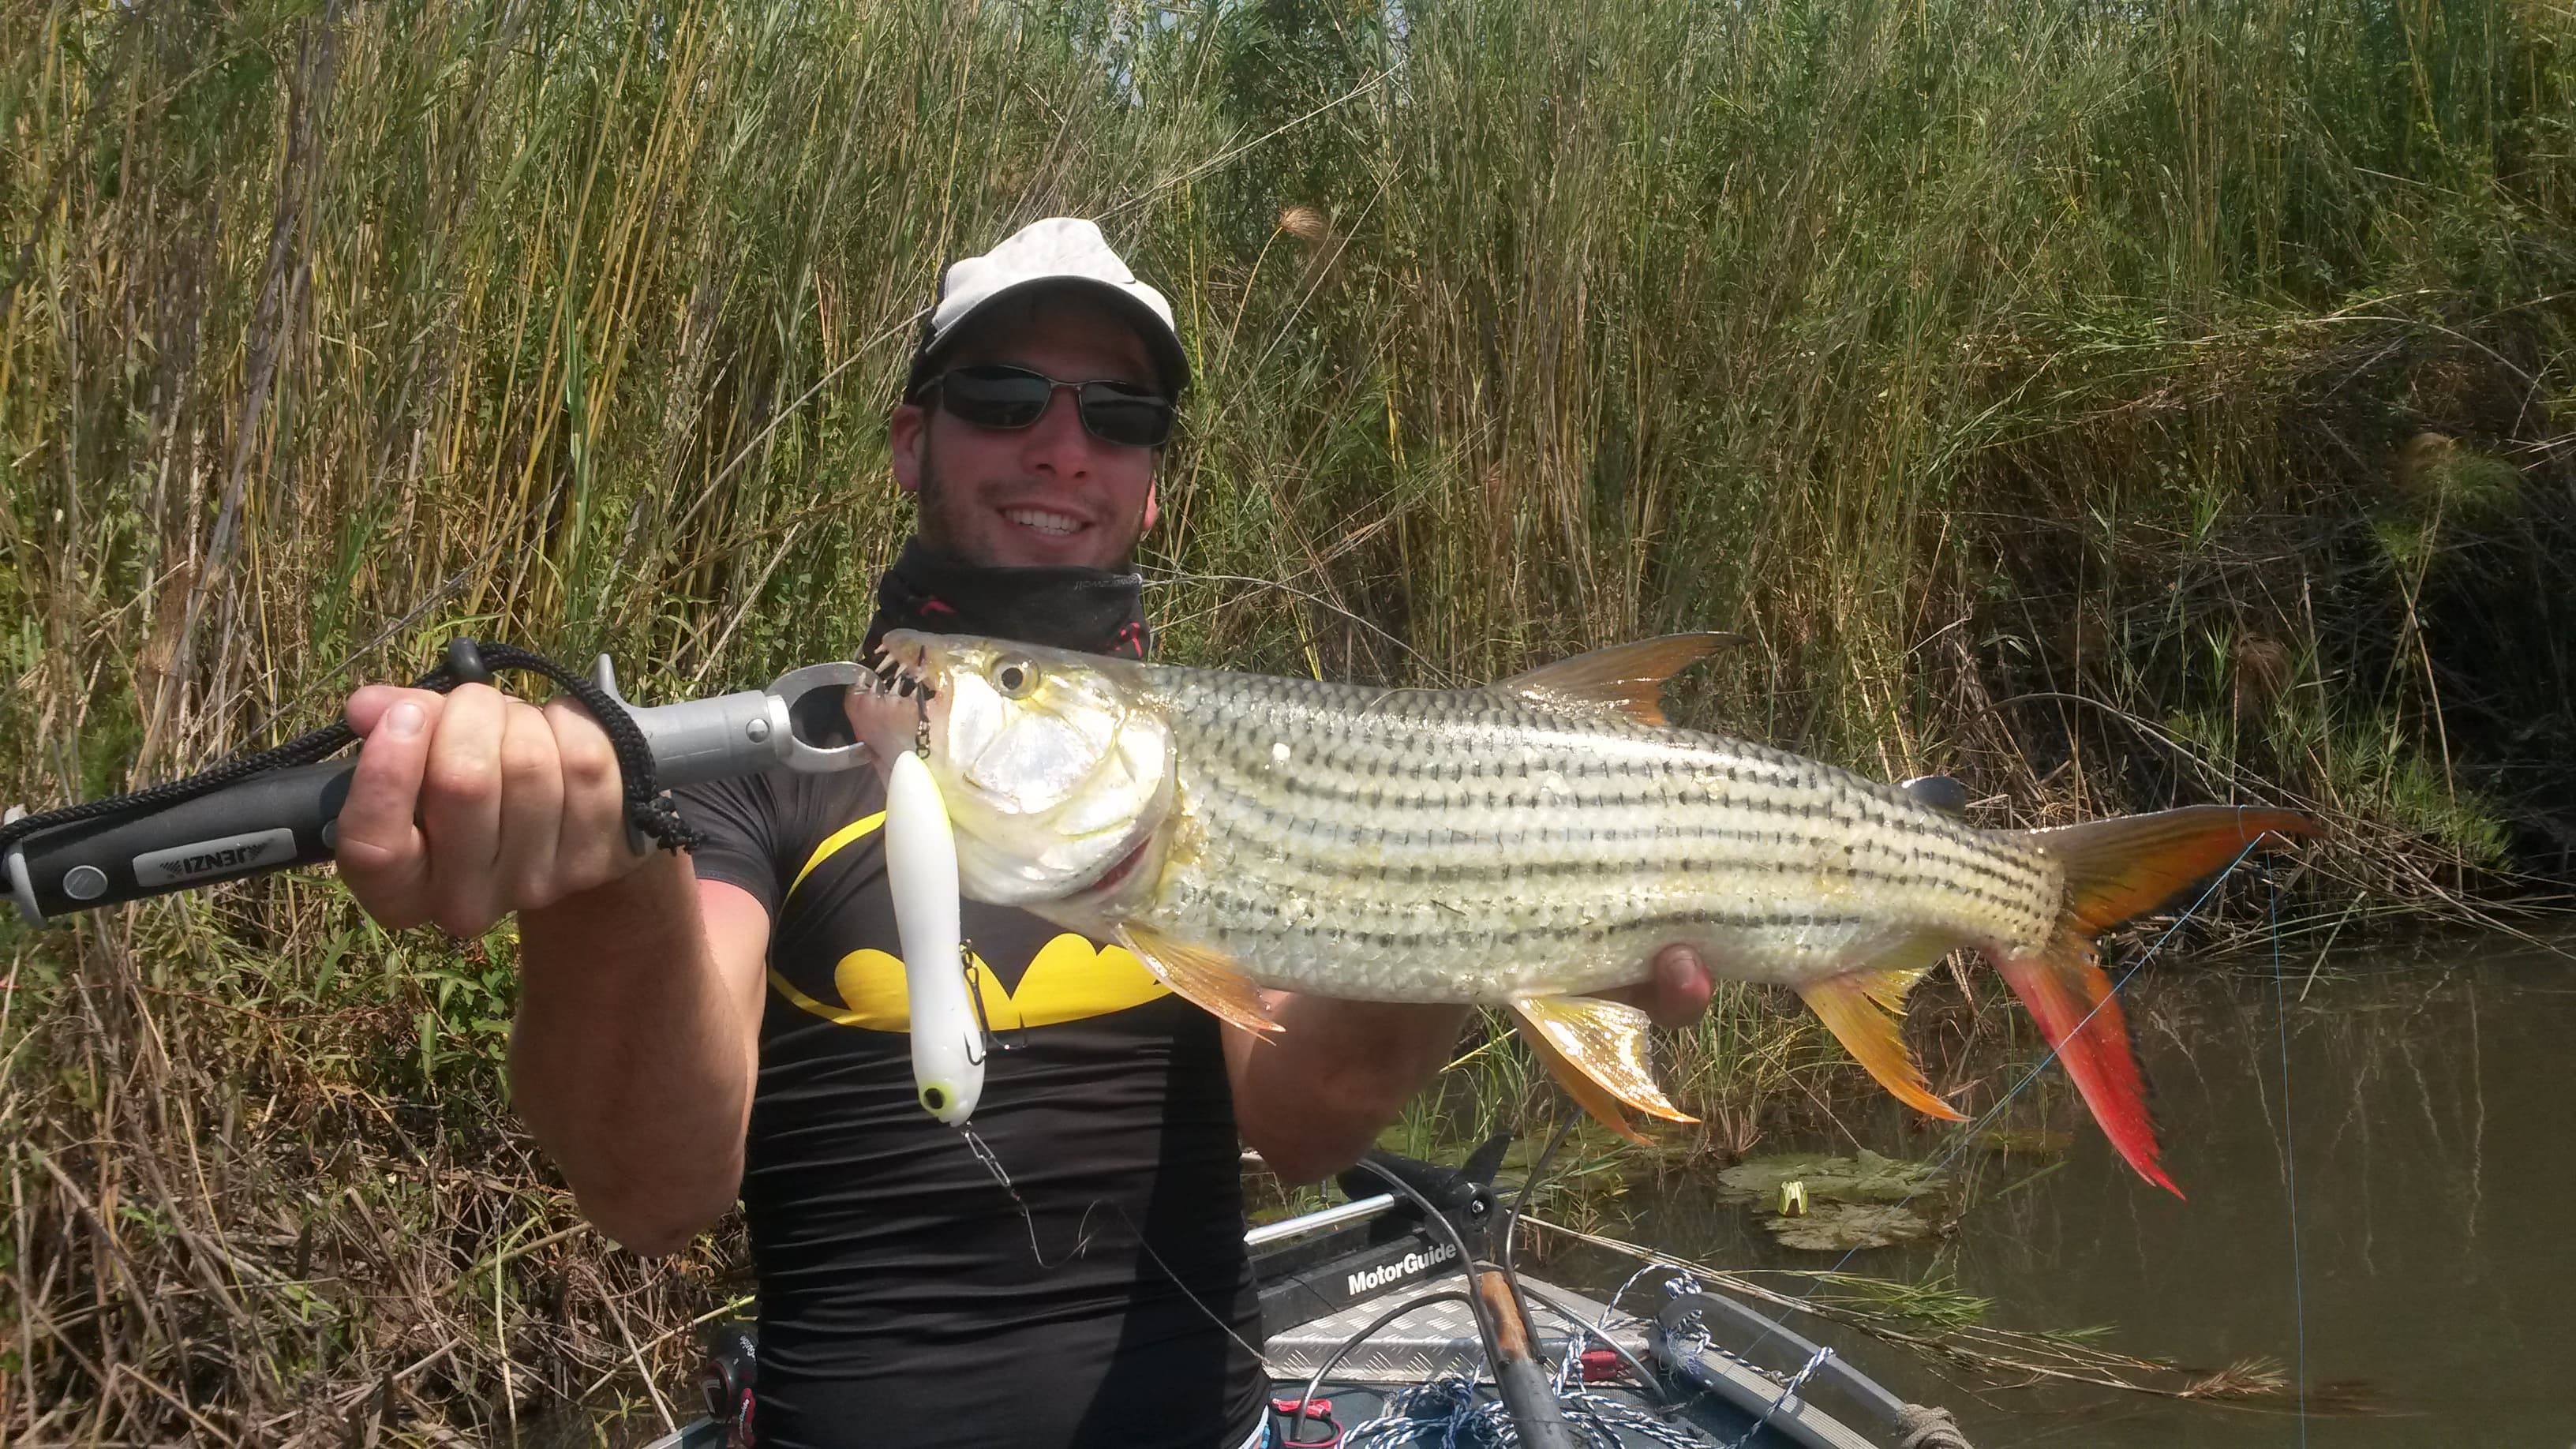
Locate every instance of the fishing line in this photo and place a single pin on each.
(2289, 1160)
(1968, 1136)
(1081, 1229)
(1083, 1236)
(1529, 1181)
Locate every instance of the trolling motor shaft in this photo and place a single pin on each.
(289, 817)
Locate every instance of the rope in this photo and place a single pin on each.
(469, 661)
(1788, 1395)
(1928, 1429)
(1448, 1413)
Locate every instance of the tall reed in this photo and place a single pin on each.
(2107, 404)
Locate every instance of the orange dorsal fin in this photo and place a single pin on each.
(1626, 678)
(2117, 870)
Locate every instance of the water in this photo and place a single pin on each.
(2434, 1138)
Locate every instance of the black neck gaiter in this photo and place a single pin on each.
(1097, 611)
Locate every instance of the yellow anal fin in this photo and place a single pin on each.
(1628, 678)
(1210, 980)
(1864, 1009)
(1601, 1045)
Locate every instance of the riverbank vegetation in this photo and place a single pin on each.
(2109, 405)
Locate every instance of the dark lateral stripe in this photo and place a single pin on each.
(1534, 871)
(1243, 916)
(1778, 848)
(1676, 788)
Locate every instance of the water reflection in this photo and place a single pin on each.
(2428, 1128)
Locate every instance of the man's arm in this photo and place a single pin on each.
(1314, 1096)
(637, 1040)
(637, 1046)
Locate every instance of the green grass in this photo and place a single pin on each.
(2039, 388)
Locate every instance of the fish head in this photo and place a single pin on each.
(1055, 766)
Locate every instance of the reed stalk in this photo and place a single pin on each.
(2039, 388)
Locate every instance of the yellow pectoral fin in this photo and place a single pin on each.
(1603, 1041)
(1862, 1009)
(1209, 979)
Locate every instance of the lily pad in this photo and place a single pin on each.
(1839, 1227)
(1867, 1178)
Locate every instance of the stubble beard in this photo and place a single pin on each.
(931, 519)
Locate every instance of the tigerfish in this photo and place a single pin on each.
(1520, 846)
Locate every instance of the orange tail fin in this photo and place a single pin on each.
(2115, 870)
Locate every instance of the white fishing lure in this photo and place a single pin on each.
(921, 872)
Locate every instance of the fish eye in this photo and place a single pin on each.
(1014, 678)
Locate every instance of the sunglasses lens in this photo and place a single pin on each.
(1012, 397)
(1118, 415)
(994, 397)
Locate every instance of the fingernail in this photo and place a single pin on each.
(403, 720)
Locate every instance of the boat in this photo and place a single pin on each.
(1396, 1317)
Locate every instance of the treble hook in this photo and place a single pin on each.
(975, 971)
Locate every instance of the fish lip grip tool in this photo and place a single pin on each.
(288, 817)
(798, 722)
(948, 1044)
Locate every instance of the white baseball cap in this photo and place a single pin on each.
(1059, 251)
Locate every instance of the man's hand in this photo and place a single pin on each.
(470, 805)
(1678, 992)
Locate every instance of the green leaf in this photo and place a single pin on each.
(1843, 1226)
(1866, 1178)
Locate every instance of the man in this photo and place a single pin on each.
(693, 1029)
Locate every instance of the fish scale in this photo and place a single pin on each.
(1465, 838)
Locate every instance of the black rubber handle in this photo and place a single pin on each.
(264, 823)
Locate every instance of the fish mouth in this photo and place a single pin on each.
(887, 707)
(1121, 867)
(901, 677)
(905, 673)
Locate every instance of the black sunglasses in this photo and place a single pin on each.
(992, 396)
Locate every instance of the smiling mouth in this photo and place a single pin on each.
(1045, 521)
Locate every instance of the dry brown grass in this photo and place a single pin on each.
(2021, 382)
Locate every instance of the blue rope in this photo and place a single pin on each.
(2289, 1160)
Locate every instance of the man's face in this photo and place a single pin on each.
(1050, 493)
